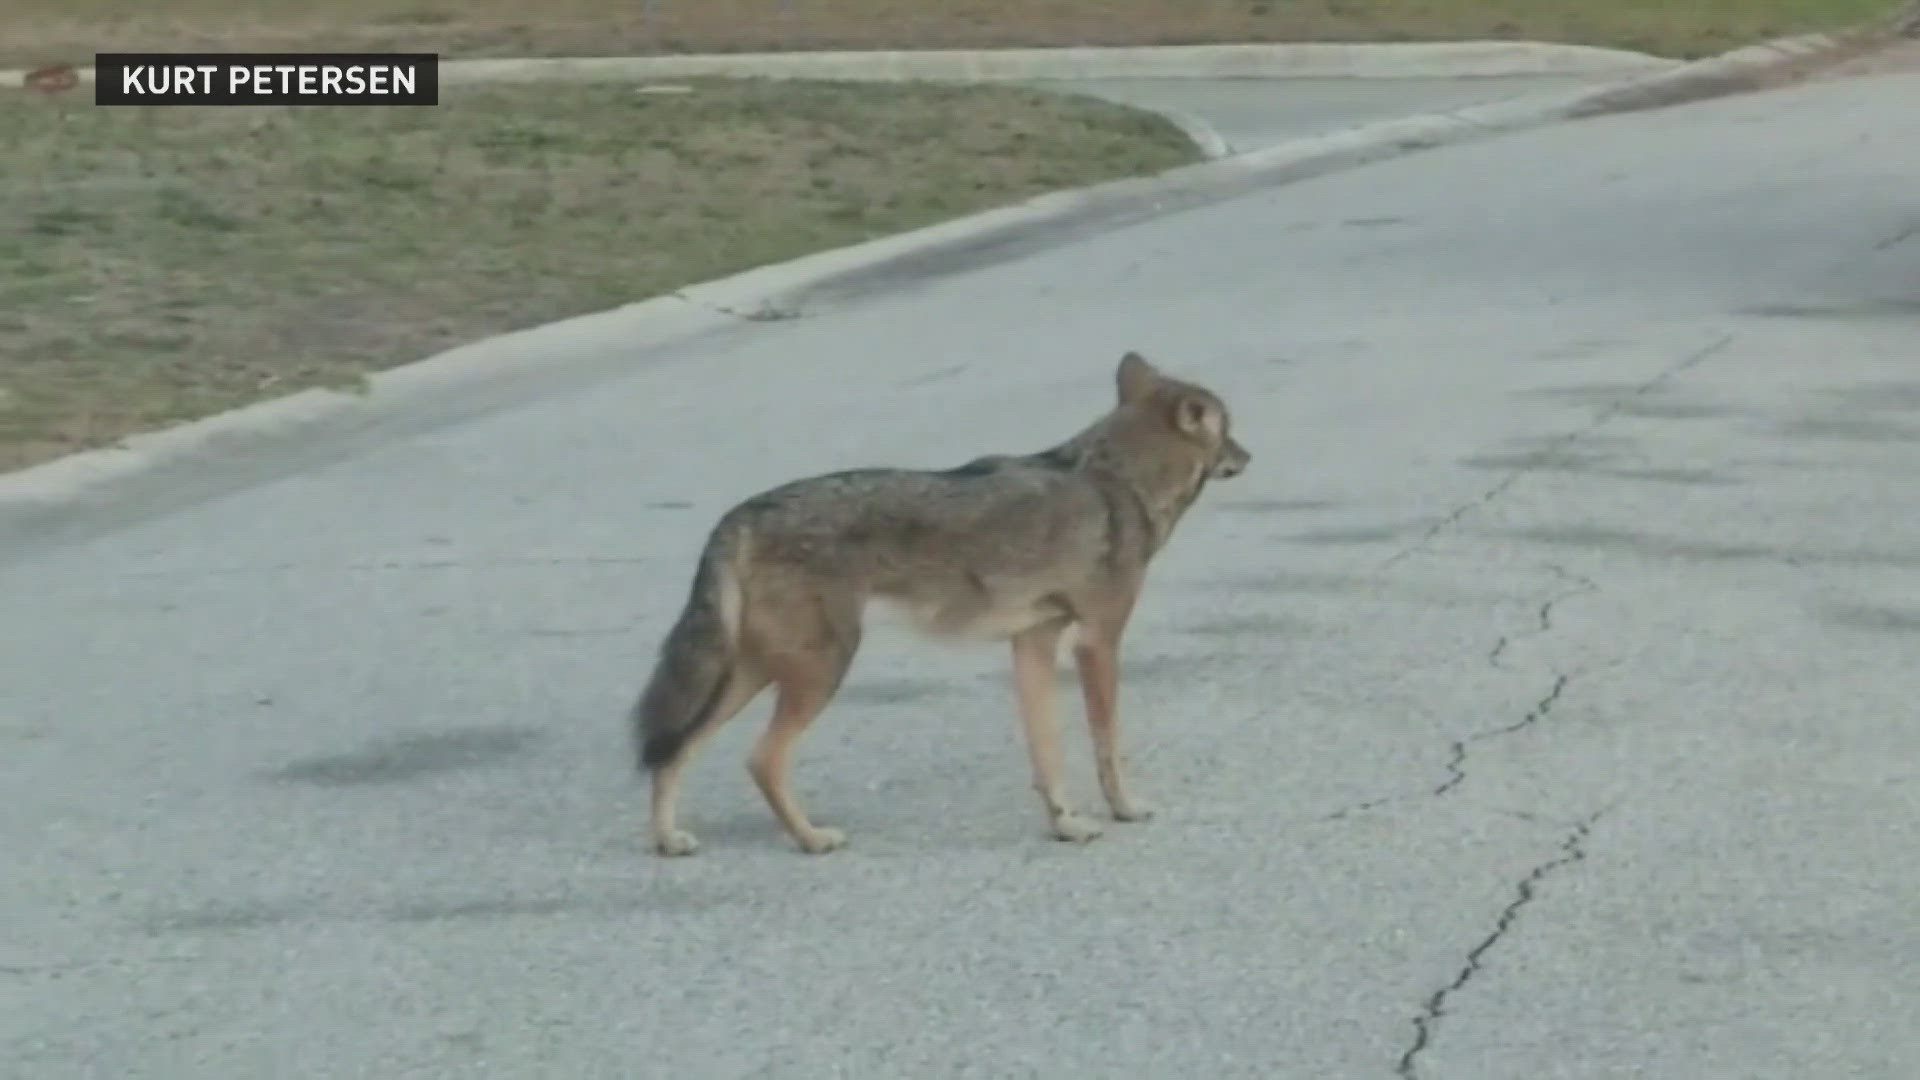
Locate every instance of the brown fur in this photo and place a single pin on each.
(1012, 548)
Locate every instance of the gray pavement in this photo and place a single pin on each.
(1250, 114)
(1540, 704)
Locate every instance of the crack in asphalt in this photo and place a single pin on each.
(1360, 808)
(1546, 452)
(1499, 649)
(1461, 511)
(1544, 617)
(1457, 761)
(1456, 768)
(1900, 237)
(1457, 764)
(1572, 850)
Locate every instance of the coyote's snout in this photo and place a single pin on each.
(1016, 548)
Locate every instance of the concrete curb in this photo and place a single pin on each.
(1753, 67)
(1387, 60)
(1204, 136)
(1394, 60)
(774, 292)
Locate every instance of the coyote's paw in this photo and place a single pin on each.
(1133, 810)
(676, 842)
(821, 841)
(1074, 829)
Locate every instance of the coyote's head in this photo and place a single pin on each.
(1190, 413)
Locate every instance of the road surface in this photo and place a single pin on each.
(1539, 704)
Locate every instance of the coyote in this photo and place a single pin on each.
(1015, 548)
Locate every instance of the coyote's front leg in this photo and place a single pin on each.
(1034, 653)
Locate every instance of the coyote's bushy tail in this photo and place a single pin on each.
(695, 659)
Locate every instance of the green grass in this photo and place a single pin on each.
(158, 265)
(46, 31)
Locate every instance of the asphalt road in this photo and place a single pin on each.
(1249, 114)
(1540, 703)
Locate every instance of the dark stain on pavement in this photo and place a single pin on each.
(1674, 475)
(411, 757)
(1581, 349)
(1258, 625)
(1889, 395)
(1582, 393)
(1602, 538)
(1353, 534)
(1273, 506)
(891, 691)
(1359, 587)
(229, 917)
(1634, 400)
(1883, 308)
(1653, 408)
(1161, 668)
(244, 916)
(1591, 464)
(1866, 429)
(1289, 583)
(1650, 546)
(657, 898)
(941, 375)
(1885, 620)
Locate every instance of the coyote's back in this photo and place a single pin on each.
(1009, 547)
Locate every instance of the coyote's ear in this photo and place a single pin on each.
(1136, 377)
(1196, 416)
